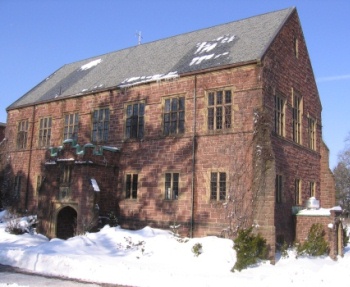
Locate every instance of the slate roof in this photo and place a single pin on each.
(228, 44)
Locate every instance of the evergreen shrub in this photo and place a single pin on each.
(250, 248)
(315, 245)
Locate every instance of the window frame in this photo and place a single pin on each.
(279, 188)
(297, 118)
(100, 119)
(297, 192)
(22, 134)
(131, 185)
(172, 182)
(66, 178)
(135, 123)
(279, 120)
(218, 185)
(219, 109)
(71, 126)
(311, 124)
(312, 189)
(174, 117)
(45, 126)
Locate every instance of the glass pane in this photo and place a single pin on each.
(174, 105)
(181, 104)
(211, 99)
(219, 98)
(135, 109)
(167, 106)
(211, 118)
(228, 97)
(219, 118)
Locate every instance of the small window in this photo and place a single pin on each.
(218, 185)
(174, 116)
(71, 123)
(66, 175)
(171, 186)
(279, 115)
(134, 125)
(296, 47)
(278, 188)
(312, 133)
(22, 134)
(100, 125)
(131, 186)
(312, 189)
(219, 110)
(17, 186)
(297, 192)
(297, 119)
(45, 132)
(39, 181)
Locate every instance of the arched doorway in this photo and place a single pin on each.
(66, 223)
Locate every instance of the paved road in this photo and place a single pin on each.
(10, 275)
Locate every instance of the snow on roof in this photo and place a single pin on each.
(319, 211)
(132, 81)
(90, 65)
(95, 185)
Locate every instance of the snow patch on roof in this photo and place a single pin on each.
(132, 81)
(90, 64)
(206, 50)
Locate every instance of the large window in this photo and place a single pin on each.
(312, 133)
(71, 123)
(219, 110)
(100, 125)
(297, 119)
(171, 186)
(279, 115)
(278, 188)
(134, 126)
(218, 186)
(22, 134)
(131, 186)
(174, 116)
(45, 132)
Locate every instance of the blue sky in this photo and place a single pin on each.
(38, 37)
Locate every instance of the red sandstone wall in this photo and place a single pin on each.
(285, 74)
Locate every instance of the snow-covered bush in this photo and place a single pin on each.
(21, 225)
(197, 249)
(250, 248)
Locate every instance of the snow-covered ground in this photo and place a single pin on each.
(154, 257)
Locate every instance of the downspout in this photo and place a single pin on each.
(30, 159)
(193, 153)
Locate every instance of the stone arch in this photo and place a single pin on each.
(66, 222)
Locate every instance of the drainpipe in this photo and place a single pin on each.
(30, 159)
(193, 153)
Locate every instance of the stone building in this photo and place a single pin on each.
(208, 131)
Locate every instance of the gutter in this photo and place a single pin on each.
(30, 160)
(193, 154)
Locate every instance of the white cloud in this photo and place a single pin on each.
(333, 78)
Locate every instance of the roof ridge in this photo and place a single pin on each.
(178, 35)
